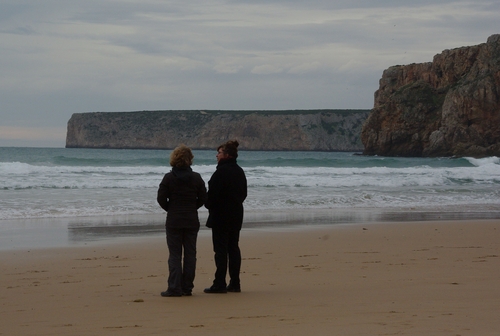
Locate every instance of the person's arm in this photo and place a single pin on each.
(163, 194)
(202, 193)
(215, 187)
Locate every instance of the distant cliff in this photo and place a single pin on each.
(448, 107)
(315, 130)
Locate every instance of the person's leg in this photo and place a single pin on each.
(189, 263)
(220, 241)
(234, 254)
(174, 243)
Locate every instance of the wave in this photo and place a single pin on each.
(109, 202)
(83, 182)
(19, 176)
(492, 160)
(103, 162)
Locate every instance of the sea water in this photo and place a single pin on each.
(52, 184)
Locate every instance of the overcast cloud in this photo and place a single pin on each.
(59, 57)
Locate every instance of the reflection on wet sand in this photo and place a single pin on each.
(63, 232)
(105, 228)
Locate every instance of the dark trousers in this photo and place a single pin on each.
(227, 251)
(181, 271)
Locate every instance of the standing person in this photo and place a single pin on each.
(227, 189)
(181, 193)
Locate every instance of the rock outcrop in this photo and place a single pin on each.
(448, 107)
(316, 130)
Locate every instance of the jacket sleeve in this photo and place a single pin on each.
(215, 187)
(163, 194)
(202, 193)
(244, 189)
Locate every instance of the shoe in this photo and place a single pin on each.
(233, 289)
(187, 294)
(169, 294)
(214, 290)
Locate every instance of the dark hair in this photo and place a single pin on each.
(181, 157)
(230, 148)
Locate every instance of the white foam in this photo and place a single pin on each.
(45, 191)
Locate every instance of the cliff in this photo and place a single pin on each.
(316, 130)
(447, 107)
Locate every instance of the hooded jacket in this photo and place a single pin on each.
(181, 193)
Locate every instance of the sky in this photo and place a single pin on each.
(59, 57)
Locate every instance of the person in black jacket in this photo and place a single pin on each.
(181, 193)
(227, 189)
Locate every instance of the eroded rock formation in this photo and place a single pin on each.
(320, 130)
(447, 107)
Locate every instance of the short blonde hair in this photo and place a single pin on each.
(181, 156)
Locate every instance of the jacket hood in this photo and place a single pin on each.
(183, 173)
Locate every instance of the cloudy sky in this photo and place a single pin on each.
(59, 57)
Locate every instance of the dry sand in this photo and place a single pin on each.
(419, 278)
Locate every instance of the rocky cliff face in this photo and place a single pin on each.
(448, 107)
(319, 130)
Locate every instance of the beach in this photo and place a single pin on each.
(377, 278)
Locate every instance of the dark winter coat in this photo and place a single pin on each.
(181, 193)
(227, 189)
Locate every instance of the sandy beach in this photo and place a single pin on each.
(412, 278)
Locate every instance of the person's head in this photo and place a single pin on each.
(228, 150)
(181, 157)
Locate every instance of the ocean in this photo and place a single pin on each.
(91, 194)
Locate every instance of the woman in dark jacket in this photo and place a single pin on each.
(181, 193)
(227, 189)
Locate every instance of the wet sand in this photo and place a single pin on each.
(406, 278)
(36, 233)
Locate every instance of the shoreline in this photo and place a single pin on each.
(407, 278)
(40, 233)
